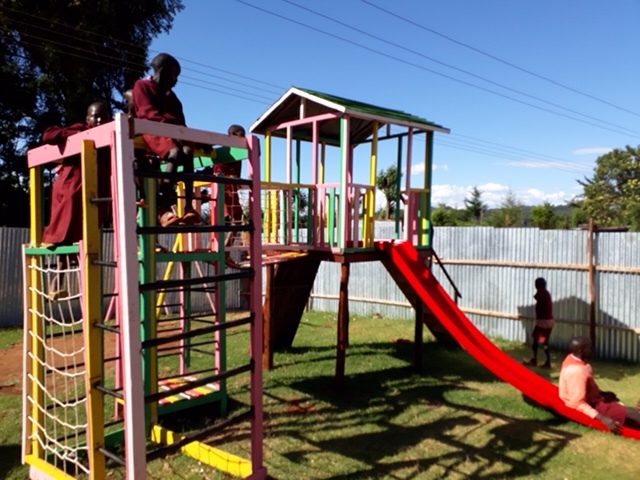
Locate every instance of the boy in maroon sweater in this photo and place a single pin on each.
(154, 100)
(544, 324)
(65, 220)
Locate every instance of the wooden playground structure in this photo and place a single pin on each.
(341, 214)
(66, 431)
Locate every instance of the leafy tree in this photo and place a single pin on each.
(545, 217)
(475, 207)
(443, 216)
(612, 194)
(59, 56)
(510, 213)
(387, 182)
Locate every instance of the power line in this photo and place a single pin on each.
(133, 64)
(504, 62)
(480, 77)
(119, 65)
(421, 67)
(129, 44)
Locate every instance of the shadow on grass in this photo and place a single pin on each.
(9, 459)
(500, 446)
(388, 421)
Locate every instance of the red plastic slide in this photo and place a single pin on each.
(406, 259)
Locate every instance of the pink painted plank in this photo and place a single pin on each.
(190, 134)
(52, 153)
(304, 121)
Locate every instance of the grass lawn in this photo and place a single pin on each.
(454, 421)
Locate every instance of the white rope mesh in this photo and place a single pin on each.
(57, 402)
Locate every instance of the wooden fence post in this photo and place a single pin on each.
(592, 286)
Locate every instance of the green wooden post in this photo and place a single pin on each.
(296, 198)
(428, 170)
(396, 233)
(331, 223)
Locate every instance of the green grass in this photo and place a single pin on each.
(453, 421)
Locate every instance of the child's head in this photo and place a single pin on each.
(98, 113)
(165, 70)
(236, 130)
(541, 283)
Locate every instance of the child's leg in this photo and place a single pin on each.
(533, 361)
(545, 346)
(534, 349)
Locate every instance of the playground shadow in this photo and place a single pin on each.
(574, 308)
(384, 399)
(9, 459)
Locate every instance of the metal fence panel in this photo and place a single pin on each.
(497, 290)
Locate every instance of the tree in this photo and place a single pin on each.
(387, 182)
(510, 213)
(475, 207)
(443, 216)
(58, 57)
(612, 194)
(544, 216)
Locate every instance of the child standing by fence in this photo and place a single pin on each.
(544, 324)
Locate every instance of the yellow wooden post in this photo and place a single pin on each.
(35, 325)
(92, 311)
(370, 198)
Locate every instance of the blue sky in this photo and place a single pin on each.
(444, 61)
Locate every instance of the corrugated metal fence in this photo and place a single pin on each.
(494, 269)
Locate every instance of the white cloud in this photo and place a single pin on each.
(493, 195)
(566, 166)
(418, 168)
(592, 151)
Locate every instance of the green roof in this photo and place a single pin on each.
(364, 117)
(370, 109)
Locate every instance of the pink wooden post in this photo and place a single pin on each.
(313, 204)
(134, 412)
(255, 301)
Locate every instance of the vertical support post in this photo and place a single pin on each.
(343, 324)
(428, 178)
(296, 198)
(267, 354)
(92, 311)
(396, 233)
(323, 151)
(331, 224)
(33, 322)
(314, 220)
(592, 286)
(345, 149)
(255, 302)
(26, 348)
(150, 302)
(418, 337)
(125, 235)
(289, 166)
(220, 337)
(267, 157)
(407, 188)
(370, 196)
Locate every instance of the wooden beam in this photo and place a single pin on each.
(343, 325)
(267, 315)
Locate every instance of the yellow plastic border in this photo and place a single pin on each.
(214, 457)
